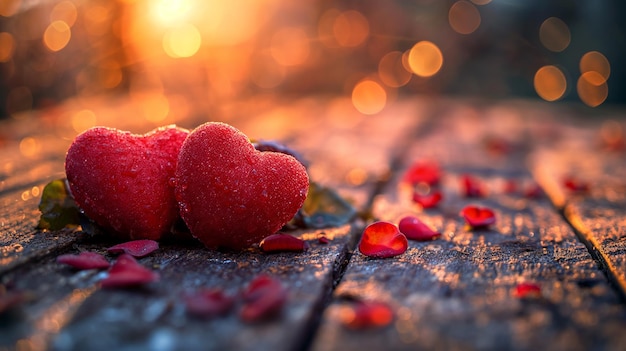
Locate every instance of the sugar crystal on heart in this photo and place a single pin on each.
(231, 195)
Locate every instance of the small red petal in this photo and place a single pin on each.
(534, 191)
(368, 314)
(576, 185)
(84, 260)
(429, 200)
(136, 248)
(382, 240)
(208, 303)
(264, 298)
(323, 240)
(478, 217)
(127, 272)
(472, 187)
(526, 290)
(510, 186)
(423, 172)
(414, 229)
(283, 242)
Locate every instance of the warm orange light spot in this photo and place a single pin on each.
(97, 16)
(481, 2)
(368, 97)
(590, 93)
(550, 83)
(554, 34)
(325, 28)
(7, 46)
(267, 74)
(351, 28)
(425, 59)
(464, 17)
(290, 46)
(155, 106)
(57, 35)
(356, 176)
(30, 147)
(171, 13)
(595, 61)
(182, 41)
(64, 11)
(9, 7)
(391, 70)
(110, 74)
(83, 120)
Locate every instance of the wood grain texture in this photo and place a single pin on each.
(457, 292)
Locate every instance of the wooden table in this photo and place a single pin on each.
(454, 293)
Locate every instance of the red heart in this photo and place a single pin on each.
(231, 195)
(121, 180)
(382, 240)
(478, 217)
(415, 229)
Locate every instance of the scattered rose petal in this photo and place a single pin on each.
(283, 242)
(534, 191)
(423, 172)
(127, 272)
(576, 185)
(208, 303)
(429, 200)
(510, 186)
(323, 240)
(478, 217)
(135, 248)
(471, 186)
(84, 260)
(414, 229)
(263, 298)
(527, 290)
(382, 240)
(367, 314)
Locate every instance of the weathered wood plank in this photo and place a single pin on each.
(456, 292)
(598, 215)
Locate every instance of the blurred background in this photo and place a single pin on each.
(169, 55)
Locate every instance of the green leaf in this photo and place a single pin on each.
(57, 206)
(324, 208)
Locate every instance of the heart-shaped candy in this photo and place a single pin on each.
(382, 240)
(122, 180)
(231, 195)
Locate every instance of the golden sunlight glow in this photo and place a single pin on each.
(290, 46)
(391, 70)
(7, 46)
(267, 73)
(83, 120)
(595, 61)
(168, 12)
(154, 105)
(464, 17)
(592, 88)
(554, 34)
(351, 28)
(9, 7)
(368, 97)
(425, 59)
(182, 41)
(30, 147)
(57, 35)
(550, 83)
(64, 11)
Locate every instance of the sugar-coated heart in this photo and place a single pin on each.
(122, 180)
(382, 240)
(231, 195)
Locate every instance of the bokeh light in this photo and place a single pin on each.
(9, 7)
(64, 11)
(391, 71)
(550, 83)
(350, 28)
(481, 2)
(592, 88)
(425, 59)
(290, 46)
(464, 17)
(182, 41)
(57, 35)
(368, 97)
(554, 34)
(83, 120)
(7, 46)
(596, 62)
